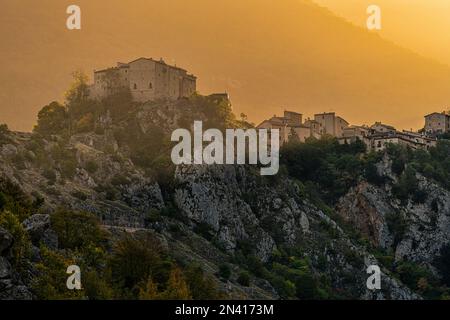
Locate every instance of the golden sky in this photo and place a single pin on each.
(421, 25)
(269, 55)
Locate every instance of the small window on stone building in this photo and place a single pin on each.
(150, 85)
(135, 86)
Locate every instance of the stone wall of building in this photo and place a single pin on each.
(437, 123)
(331, 124)
(147, 80)
(109, 81)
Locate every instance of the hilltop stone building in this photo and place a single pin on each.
(147, 80)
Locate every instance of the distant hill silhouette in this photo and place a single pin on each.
(266, 54)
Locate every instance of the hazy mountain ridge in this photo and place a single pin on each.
(268, 55)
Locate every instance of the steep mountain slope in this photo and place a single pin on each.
(267, 54)
(208, 215)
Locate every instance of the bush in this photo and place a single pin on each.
(371, 174)
(306, 287)
(85, 124)
(76, 229)
(4, 131)
(420, 196)
(244, 279)
(407, 185)
(95, 287)
(19, 161)
(398, 165)
(443, 264)
(80, 195)
(417, 278)
(152, 216)
(255, 266)
(110, 192)
(201, 285)
(3, 201)
(205, 230)
(119, 104)
(51, 278)
(224, 271)
(50, 175)
(21, 246)
(397, 225)
(286, 289)
(91, 167)
(68, 168)
(14, 200)
(176, 288)
(119, 180)
(136, 259)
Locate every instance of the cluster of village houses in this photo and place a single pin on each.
(376, 137)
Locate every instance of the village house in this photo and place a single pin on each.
(382, 128)
(147, 80)
(419, 140)
(314, 125)
(331, 124)
(437, 123)
(289, 125)
(353, 133)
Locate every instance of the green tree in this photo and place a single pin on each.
(177, 288)
(244, 279)
(21, 246)
(224, 271)
(76, 229)
(52, 119)
(201, 286)
(79, 89)
(149, 291)
(135, 260)
(51, 278)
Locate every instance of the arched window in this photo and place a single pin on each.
(150, 85)
(135, 86)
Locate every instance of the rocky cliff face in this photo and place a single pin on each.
(425, 226)
(219, 211)
(238, 206)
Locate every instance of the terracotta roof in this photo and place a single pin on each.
(161, 61)
(438, 113)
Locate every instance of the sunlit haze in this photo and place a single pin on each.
(268, 55)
